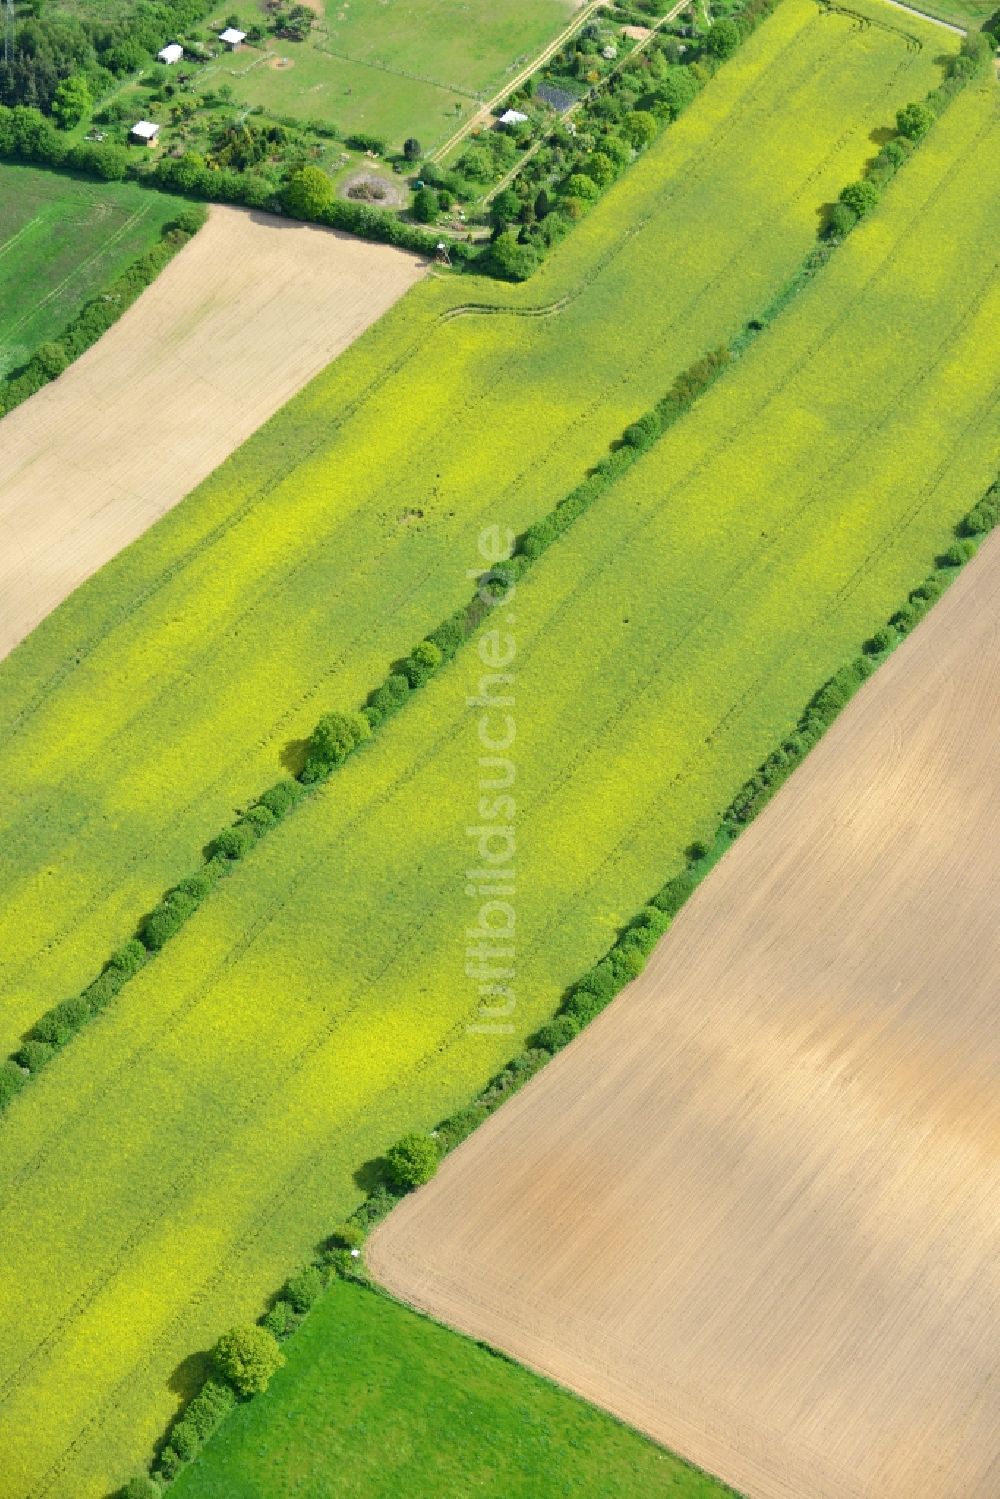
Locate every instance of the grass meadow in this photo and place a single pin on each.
(175, 684)
(61, 241)
(451, 1420)
(416, 67)
(317, 1006)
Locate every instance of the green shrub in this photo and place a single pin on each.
(363, 140)
(646, 929)
(723, 38)
(280, 798)
(213, 1401)
(644, 431)
(425, 206)
(860, 197)
(510, 259)
(387, 699)
(412, 1161)
(280, 1319)
(674, 893)
(308, 193)
(140, 1487)
(984, 515)
(196, 885)
(247, 1357)
(165, 920)
(342, 1263)
(841, 221)
(258, 817)
(422, 662)
(128, 959)
(169, 1463)
(233, 843)
(347, 1236)
(101, 991)
(62, 1021)
(188, 220)
(556, 1034)
(184, 1441)
(12, 1080)
(913, 121)
(583, 1005)
(883, 640)
(458, 1127)
(35, 1055)
(960, 552)
(336, 736)
(449, 635)
(303, 1288)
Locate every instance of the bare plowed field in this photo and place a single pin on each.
(754, 1209)
(234, 326)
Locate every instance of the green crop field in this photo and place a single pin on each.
(415, 67)
(202, 1135)
(452, 1420)
(169, 689)
(970, 14)
(61, 241)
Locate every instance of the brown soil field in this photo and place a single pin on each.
(754, 1209)
(239, 321)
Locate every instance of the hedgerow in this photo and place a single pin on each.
(913, 122)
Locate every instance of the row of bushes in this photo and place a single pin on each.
(913, 122)
(97, 315)
(246, 1357)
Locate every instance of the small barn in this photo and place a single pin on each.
(232, 38)
(512, 117)
(172, 53)
(143, 133)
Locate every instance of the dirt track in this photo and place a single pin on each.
(755, 1208)
(238, 322)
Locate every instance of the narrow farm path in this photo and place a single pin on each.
(238, 322)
